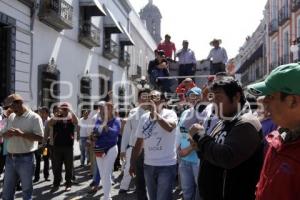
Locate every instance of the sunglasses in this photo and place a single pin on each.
(155, 97)
(193, 96)
(13, 103)
(145, 97)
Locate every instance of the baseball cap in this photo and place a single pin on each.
(11, 98)
(64, 105)
(194, 90)
(210, 78)
(100, 103)
(284, 78)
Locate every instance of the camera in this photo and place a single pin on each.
(160, 52)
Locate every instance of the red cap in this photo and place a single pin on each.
(210, 78)
(64, 105)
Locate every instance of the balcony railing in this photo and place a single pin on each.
(295, 5)
(57, 14)
(111, 49)
(273, 26)
(284, 14)
(124, 59)
(89, 34)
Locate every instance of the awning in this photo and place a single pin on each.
(93, 7)
(110, 23)
(125, 38)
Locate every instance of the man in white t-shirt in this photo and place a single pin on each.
(157, 133)
(83, 129)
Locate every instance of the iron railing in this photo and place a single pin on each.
(89, 34)
(284, 14)
(124, 59)
(111, 49)
(273, 26)
(295, 5)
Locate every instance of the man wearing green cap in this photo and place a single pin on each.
(280, 176)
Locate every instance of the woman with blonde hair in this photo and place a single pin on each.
(106, 132)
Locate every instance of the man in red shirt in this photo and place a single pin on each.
(168, 47)
(280, 176)
(183, 87)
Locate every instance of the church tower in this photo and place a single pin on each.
(151, 15)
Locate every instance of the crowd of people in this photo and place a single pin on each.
(219, 144)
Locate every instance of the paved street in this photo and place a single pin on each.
(78, 191)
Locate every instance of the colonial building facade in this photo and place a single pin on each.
(71, 50)
(280, 43)
(250, 61)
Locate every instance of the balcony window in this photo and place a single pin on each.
(111, 49)
(124, 60)
(105, 82)
(273, 26)
(49, 87)
(284, 14)
(85, 93)
(89, 34)
(295, 5)
(57, 14)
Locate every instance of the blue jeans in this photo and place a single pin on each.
(188, 177)
(23, 167)
(160, 181)
(83, 150)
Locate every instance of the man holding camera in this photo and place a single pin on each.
(63, 139)
(157, 69)
(157, 133)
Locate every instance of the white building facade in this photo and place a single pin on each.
(15, 48)
(75, 50)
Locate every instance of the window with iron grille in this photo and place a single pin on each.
(49, 86)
